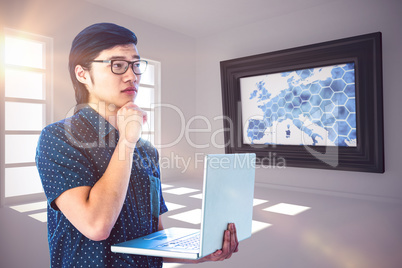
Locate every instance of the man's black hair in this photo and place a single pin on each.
(88, 44)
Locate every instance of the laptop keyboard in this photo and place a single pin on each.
(191, 242)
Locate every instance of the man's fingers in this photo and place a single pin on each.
(230, 245)
(226, 241)
(130, 121)
(132, 110)
(227, 245)
(235, 242)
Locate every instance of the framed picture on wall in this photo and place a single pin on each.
(317, 106)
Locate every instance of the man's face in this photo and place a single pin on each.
(105, 86)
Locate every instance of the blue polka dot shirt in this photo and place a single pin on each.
(75, 152)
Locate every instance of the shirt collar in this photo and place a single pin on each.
(98, 122)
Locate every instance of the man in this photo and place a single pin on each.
(102, 181)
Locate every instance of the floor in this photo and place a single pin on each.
(294, 229)
(184, 203)
(290, 229)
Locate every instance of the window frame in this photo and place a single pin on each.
(156, 101)
(47, 102)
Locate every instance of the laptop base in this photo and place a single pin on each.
(148, 245)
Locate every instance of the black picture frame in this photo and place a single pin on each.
(365, 51)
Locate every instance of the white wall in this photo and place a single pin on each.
(336, 20)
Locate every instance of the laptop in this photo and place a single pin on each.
(228, 192)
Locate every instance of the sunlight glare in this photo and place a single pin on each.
(42, 216)
(191, 216)
(258, 226)
(181, 191)
(257, 202)
(30, 206)
(197, 196)
(287, 209)
(173, 206)
(165, 186)
(24, 52)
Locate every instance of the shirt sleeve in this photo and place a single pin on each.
(60, 164)
(163, 207)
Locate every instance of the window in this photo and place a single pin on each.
(148, 97)
(26, 76)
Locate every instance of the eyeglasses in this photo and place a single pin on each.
(121, 66)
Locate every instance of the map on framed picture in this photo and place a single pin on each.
(314, 106)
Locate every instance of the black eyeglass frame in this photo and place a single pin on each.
(129, 63)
